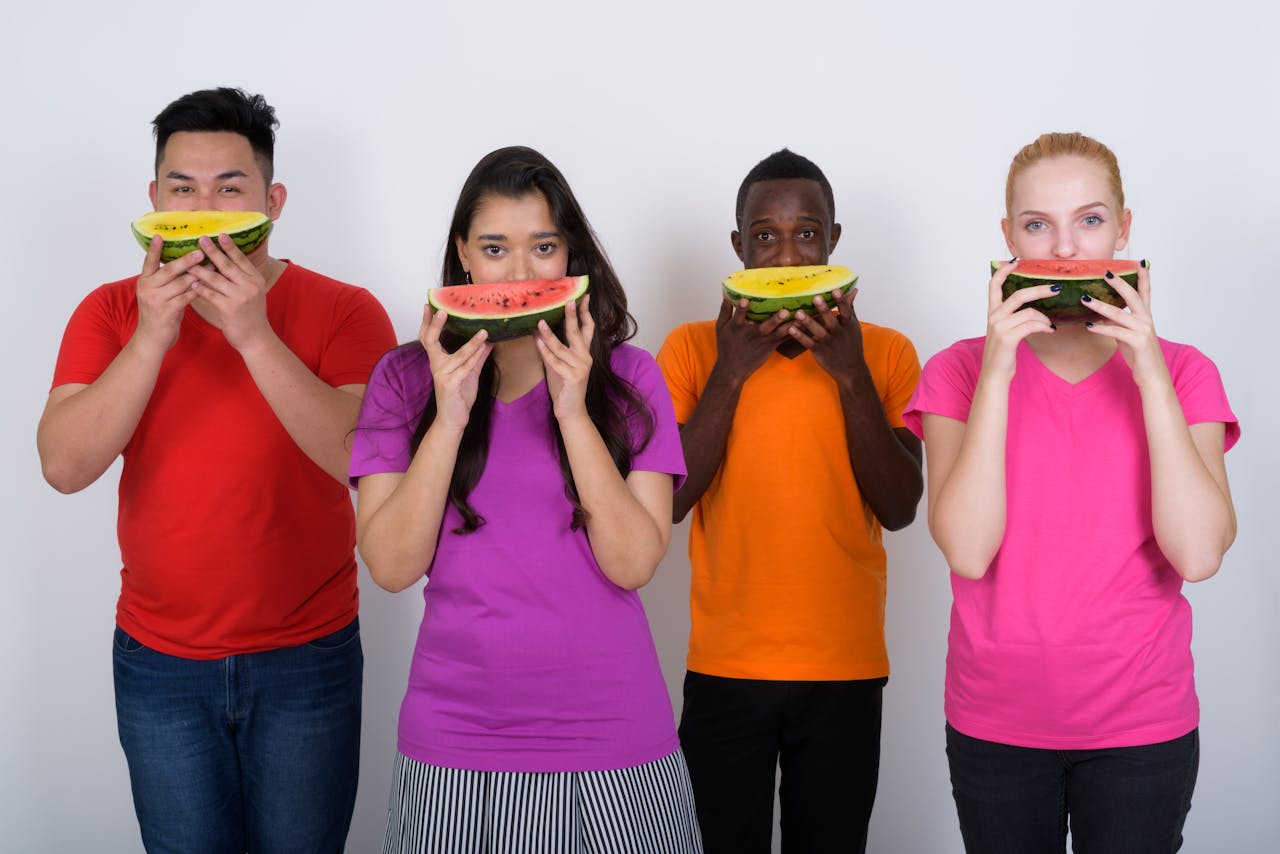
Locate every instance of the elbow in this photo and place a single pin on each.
(1194, 568)
(898, 520)
(636, 578)
(972, 570)
(392, 582)
(62, 477)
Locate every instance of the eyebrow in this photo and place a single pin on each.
(1078, 210)
(175, 175)
(537, 235)
(767, 219)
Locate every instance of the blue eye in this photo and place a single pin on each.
(1036, 225)
(1093, 219)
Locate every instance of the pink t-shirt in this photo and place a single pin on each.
(528, 657)
(1078, 636)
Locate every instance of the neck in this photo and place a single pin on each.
(1072, 348)
(519, 367)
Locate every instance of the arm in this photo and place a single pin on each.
(628, 521)
(967, 459)
(317, 416)
(885, 461)
(398, 515)
(741, 347)
(85, 427)
(1191, 508)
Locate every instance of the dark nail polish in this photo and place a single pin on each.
(1055, 288)
(1086, 298)
(1053, 326)
(1110, 275)
(1088, 324)
(1014, 258)
(1143, 263)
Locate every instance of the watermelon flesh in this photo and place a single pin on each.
(505, 310)
(1076, 278)
(182, 230)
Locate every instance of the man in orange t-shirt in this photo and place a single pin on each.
(798, 457)
(230, 389)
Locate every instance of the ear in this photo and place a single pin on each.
(1007, 228)
(736, 239)
(461, 246)
(835, 237)
(1126, 222)
(276, 195)
(151, 194)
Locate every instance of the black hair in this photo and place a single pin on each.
(516, 172)
(222, 109)
(782, 165)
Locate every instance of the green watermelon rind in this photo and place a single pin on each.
(247, 239)
(507, 327)
(762, 308)
(1066, 305)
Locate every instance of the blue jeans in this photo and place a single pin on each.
(257, 752)
(1019, 800)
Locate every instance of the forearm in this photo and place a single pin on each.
(626, 539)
(318, 417)
(967, 509)
(83, 431)
(704, 437)
(888, 474)
(1192, 513)
(398, 538)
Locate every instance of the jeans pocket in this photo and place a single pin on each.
(126, 643)
(348, 634)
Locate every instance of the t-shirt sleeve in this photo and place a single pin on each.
(362, 334)
(663, 453)
(675, 359)
(389, 415)
(1198, 384)
(904, 376)
(95, 335)
(946, 388)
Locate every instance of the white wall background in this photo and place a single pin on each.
(654, 112)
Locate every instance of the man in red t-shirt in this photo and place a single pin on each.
(230, 383)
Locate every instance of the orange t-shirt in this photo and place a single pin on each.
(233, 540)
(788, 567)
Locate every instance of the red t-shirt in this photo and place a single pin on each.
(233, 541)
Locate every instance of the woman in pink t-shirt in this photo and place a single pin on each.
(1076, 480)
(531, 480)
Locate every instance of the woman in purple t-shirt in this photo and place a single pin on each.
(1076, 480)
(531, 481)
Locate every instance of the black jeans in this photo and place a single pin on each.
(826, 735)
(1019, 800)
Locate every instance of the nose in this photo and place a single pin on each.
(521, 269)
(1064, 244)
(788, 254)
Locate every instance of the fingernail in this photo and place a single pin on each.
(1143, 263)
(1014, 258)
(1053, 326)
(1086, 298)
(1110, 275)
(1088, 324)
(1055, 288)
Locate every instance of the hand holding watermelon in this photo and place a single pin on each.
(164, 292)
(568, 366)
(832, 333)
(234, 290)
(456, 376)
(1134, 330)
(742, 345)
(1006, 325)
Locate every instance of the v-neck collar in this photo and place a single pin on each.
(1029, 361)
(533, 396)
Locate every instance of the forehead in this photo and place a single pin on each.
(512, 215)
(1062, 182)
(208, 151)
(785, 198)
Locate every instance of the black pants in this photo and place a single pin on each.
(826, 735)
(1120, 800)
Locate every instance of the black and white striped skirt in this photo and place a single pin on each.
(647, 809)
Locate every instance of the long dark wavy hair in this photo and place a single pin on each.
(514, 173)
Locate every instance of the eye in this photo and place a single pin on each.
(1092, 219)
(181, 190)
(808, 234)
(1035, 225)
(545, 249)
(228, 189)
(492, 250)
(764, 236)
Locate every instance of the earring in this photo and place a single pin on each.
(468, 272)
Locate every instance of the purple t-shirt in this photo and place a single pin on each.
(528, 657)
(1078, 636)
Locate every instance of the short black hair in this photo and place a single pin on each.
(782, 165)
(222, 109)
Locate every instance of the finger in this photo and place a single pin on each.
(432, 327)
(551, 361)
(773, 324)
(548, 337)
(826, 313)
(1022, 297)
(219, 258)
(805, 340)
(588, 326)
(176, 268)
(726, 313)
(1027, 322)
(151, 262)
(572, 329)
(1144, 283)
(995, 288)
(1108, 311)
(233, 253)
(1132, 298)
(476, 359)
(208, 279)
(811, 326)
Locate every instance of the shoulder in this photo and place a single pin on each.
(687, 334)
(318, 286)
(1183, 356)
(966, 352)
(633, 364)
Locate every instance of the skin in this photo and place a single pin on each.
(1064, 208)
(399, 515)
(787, 223)
(84, 427)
